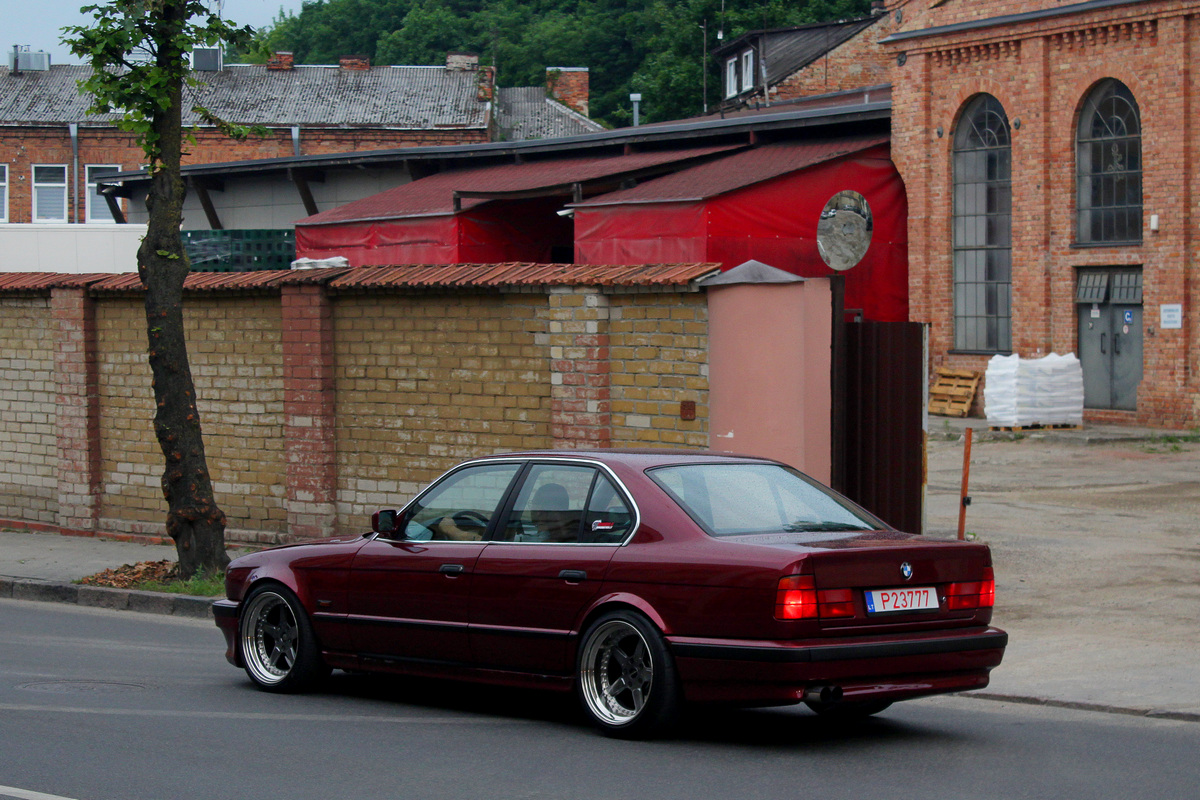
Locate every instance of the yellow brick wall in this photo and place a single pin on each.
(234, 345)
(28, 443)
(425, 381)
(658, 350)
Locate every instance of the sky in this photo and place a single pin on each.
(37, 23)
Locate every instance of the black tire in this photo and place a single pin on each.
(625, 677)
(848, 711)
(276, 642)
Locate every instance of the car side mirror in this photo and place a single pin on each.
(384, 521)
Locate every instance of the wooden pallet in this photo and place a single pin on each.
(953, 392)
(1035, 427)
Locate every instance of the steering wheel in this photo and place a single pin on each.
(469, 518)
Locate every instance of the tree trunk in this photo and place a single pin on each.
(194, 521)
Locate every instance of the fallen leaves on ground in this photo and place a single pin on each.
(129, 575)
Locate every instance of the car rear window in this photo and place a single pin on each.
(731, 499)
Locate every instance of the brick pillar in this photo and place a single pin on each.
(308, 411)
(580, 388)
(78, 412)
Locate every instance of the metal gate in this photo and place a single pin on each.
(1110, 336)
(878, 413)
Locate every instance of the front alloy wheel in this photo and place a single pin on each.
(278, 647)
(626, 678)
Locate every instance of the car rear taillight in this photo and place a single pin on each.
(796, 597)
(967, 595)
(835, 603)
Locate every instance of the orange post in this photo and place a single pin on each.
(964, 499)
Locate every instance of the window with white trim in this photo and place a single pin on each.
(97, 206)
(747, 70)
(3, 193)
(49, 192)
(731, 77)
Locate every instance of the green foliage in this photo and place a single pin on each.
(656, 47)
(138, 52)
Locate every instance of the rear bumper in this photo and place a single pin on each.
(225, 612)
(877, 667)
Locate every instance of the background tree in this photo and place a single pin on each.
(138, 53)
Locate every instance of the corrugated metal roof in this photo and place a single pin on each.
(735, 171)
(435, 195)
(45, 281)
(525, 112)
(514, 275)
(418, 276)
(261, 280)
(392, 97)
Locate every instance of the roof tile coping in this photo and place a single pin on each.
(515, 275)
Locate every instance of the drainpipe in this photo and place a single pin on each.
(74, 129)
(295, 140)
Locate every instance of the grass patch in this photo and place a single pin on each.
(158, 576)
(200, 585)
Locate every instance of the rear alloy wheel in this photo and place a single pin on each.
(626, 680)
(277, 643)
(848, 710)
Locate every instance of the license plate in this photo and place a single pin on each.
(917, 598)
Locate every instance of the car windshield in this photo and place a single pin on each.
(731, 499)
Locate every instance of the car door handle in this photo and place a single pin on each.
(573, 575)
(452, 569)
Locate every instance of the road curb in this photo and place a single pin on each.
(1103, 708)
(175, 605)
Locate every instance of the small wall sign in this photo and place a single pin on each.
(1170, 316)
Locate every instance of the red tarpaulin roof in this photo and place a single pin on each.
(735, 171)
(435, 195)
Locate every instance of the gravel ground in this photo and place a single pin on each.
(1097, 556)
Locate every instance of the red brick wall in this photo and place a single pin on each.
(1041, 72)
(21, 148)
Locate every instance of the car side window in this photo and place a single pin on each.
(461, 506)
(608, 518)
(550, 505)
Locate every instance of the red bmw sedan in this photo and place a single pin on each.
(639, 579)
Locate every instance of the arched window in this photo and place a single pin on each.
(1109, 165)
(983, 228)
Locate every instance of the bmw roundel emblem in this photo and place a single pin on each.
(906, 570)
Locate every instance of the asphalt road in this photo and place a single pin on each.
(101, 705)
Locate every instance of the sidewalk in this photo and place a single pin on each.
(42, 566)
(1093, 534)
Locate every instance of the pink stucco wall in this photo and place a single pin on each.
(769, 372)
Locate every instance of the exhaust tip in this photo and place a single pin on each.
(826, 695)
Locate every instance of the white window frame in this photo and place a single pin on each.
(44, 186)
(3, 192)
(96, 206)
(747, 70)
(731, 77)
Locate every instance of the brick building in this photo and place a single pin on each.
(1048, 150)
(766, 67)
(52, 152)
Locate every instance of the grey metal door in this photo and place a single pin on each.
(1110, 337)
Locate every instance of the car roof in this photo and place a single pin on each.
(635, 458)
